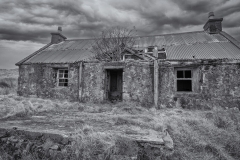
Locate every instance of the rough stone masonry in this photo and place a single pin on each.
(214, 82)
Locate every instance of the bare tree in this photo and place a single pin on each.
(111, 44)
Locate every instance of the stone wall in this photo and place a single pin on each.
(27, 81)
(22, 144)
(215, 83)
(41, 80)
(138, 83)
(93, 82)
(166, 87)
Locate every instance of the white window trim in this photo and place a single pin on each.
(58, 72)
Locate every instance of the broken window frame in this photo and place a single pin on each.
(184, 79)
(150, 49)
(64, 77)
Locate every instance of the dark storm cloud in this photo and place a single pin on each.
(199, 6)
(11, 34)
(25, 25)
(34, 20)
(228, 8)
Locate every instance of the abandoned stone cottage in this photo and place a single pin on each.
(192, 69)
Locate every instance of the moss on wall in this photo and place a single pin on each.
(93, 82)
(215, 83)
(41, 80)
(218, 85)
(138, 83)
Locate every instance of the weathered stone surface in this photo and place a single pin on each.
(19, 144)
(138, 83)
(40, 80)
(93, 82)
(54, 147)
(167, 139)
(24, 143)
(120, 157)
(215, 83)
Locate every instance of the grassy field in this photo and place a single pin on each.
(197, 134)
(8, 81)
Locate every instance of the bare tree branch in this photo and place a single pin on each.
(111, 44)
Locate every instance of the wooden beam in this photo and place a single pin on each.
(80, 85)
(113, 67)
(156, 74)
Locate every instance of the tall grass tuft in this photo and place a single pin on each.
(89, 144)
(8, 85)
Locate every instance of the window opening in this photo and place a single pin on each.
(150, 49)
(63, 77)
(184, 80)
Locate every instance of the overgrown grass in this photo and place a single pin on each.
(8, 86)
(197, 134)
(205, 134)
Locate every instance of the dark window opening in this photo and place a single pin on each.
(150, 49)
(179, 74)
(188, 74)
(184, 85)
(184, 80)
(63, 77)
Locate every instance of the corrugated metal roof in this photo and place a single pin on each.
(218, 50)
(179, 39)
(199, 44)
(33, 54)
(68, 51)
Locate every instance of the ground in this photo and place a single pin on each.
(197, 134)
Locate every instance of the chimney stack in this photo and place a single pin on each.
(213, 25)
(60, 29)
(57, 37)
(210, 15)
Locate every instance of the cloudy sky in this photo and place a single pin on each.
(25, 25)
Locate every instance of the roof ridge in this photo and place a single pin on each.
(139, 36)
(33, 54)
(66, 49)
(195, 43)
(231, 39)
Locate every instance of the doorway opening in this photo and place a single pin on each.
(114, 83)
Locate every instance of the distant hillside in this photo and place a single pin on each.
(9, 73)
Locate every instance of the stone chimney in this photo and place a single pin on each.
(213, 25)
(162, 54)
(57, 37)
